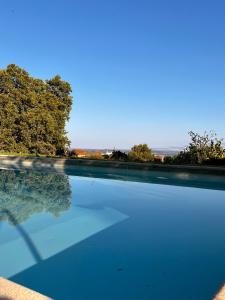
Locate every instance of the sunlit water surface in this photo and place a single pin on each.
(79, 237)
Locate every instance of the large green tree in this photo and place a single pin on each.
(33, 112)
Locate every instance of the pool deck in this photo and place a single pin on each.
(64, 163)
(221, 294)
(12, 291)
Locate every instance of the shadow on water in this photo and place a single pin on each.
(24, 235)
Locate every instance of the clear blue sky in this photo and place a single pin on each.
(141, 71)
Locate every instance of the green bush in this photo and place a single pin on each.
(119, 155)
(141, 153)
(168, 160)
(215, 161)
(203, 149)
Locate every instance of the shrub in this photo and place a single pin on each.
(203, 149)
(141, 153)
(95, 155)
(215, 161)
(168, 160)
(119, 155)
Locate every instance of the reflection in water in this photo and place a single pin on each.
(25, 197)
(25, 193)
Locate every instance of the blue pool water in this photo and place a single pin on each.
(109, 234)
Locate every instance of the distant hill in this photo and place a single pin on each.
(168, 151)
(162, 151)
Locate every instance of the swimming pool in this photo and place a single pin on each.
(97, 233)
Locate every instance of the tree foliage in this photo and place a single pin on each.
(119, 155)
(141, 153)
(33, 112)
(202, 149)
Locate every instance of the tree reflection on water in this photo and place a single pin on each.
(24, 193)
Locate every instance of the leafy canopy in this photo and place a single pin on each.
(202, 149)
(119, 155)
(141, 153)
(33, 112)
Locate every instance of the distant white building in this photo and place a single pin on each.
(108, 152)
